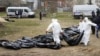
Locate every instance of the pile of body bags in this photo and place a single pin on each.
(71, 36)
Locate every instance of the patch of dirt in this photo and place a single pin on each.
(93, 49)
(2, 19)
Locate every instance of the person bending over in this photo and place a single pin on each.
(56, 29)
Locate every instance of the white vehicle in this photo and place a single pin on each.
(83, 10)
(26, 12)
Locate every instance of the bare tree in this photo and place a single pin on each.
(15, 2)
(4, 3)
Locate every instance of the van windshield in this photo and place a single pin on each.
(27, 10)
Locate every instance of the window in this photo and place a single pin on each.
(20, 10)
(12, 10)
(25, 10)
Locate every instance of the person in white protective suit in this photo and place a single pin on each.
(81, 25)
(85, 26)
(56, 29)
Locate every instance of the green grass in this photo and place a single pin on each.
(60, 15)
(17, 26)
(34, 26)
(22, 22)
(2, 14)
(8, 30)
(64, 15)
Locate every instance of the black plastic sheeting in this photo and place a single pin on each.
(45, 41)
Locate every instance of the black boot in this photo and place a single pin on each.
(57, 46)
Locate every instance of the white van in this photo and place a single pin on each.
(83, 10)
(26, 12)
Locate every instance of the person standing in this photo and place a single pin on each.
(17, 13)
(92, 19)
(20, 13)
(81, 24)
(87, 30)
(56, 29)
(40, 14)
(97, 12)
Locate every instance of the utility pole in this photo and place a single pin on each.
(90, 2)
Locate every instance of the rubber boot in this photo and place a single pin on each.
(57, 46)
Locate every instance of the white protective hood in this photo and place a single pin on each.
(54, 20)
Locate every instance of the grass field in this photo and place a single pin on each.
(25, 24)
(33, 26)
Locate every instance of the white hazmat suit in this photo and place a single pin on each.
(56, 28)
(81, 26)
(85, 26)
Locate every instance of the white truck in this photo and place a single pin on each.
(26, 12)
(83, 10)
